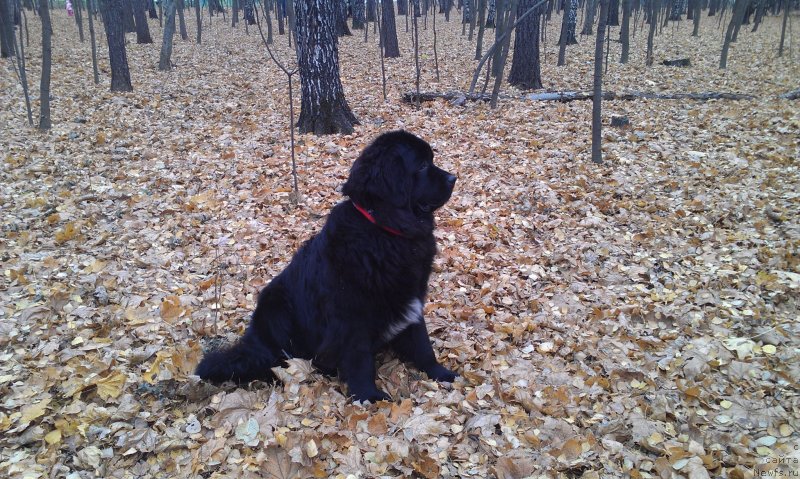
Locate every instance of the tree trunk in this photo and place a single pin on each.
(739, 8)
(358, 15)
(568, 22)
(613, 13)
(525, 66)
(198, 20)
(389, 30)
(90, 7)
(712, 7)
(6, 29)
(151, 10)
(323, 108)
(481, 28)
(181, 20)
(504, 26)
(280, 14)
(402, 7)
(588, 19)
(697, 6)
(113, 12)
(128, 20)
(783, 27)
(655, 8)
(142, 29)
(79, 18)
(624, 31)
(234, 12)
(165, 61)
(341, 18)
(597, 154)
(47, 56)
(491, 17)
(371, 10)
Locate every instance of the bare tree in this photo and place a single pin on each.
(165, 62)
(47, 59)
(655, 8)
(198, 20)
(625, 29)
(783, 27)
(79, 18)
(525, 65)
(180, 7)
(739, 9)
(6, 29)
(323, 108)
(90, 7)
(113, 11)
(142, 29)
(597, 153)
(389, 30)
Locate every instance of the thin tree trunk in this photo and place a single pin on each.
(739, 8)
(6, 29)
(783, 27)
(525, 65)
(597, 153)
(508, 23)
(181, 20)
(165, 61)
(481, 28)
(698, 4)
(588, 19)
(199, 21)
(655, 8)
(47, 56)
(79, 18)
(90, 7)
(624, 31)
(19, 51)
(234, 13)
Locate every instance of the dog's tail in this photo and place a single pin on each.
(247, 360)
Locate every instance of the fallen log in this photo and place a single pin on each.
(791, 95)
(565, 96)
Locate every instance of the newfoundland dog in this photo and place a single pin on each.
(359, 284)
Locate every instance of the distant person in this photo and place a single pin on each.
(70, 12)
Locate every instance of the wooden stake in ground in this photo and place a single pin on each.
(597, 154)
(47, 55)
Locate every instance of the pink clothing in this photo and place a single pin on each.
(69, 8)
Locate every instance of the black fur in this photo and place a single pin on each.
(355, 286)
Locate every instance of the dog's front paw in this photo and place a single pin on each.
(441, 374)
(371, 396)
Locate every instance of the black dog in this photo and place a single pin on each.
(359, 284)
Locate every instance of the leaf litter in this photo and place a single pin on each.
(633, 318)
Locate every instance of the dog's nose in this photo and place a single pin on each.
(451, 180)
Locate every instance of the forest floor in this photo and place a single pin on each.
(636, 318)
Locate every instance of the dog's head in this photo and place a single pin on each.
(396, 172)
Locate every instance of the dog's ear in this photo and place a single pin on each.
(380, 173)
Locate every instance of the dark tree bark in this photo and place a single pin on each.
(371, 10)
(47, 56)
(151, 9)
(569, 23)
(491, 16)
(783, 26)
(142, 29)
(90, 7)
(613, 13)
(696, 6)
(624, 31)
(78, 4)
(597, 153)
(712, 7)
(655, 8)
(250, 16)
(739, 8)
(481, 28)
(323, 107)
(280, 14)
(198, 20)
(525, 66)
(402, 7)
(588, 19)
(358, 15)
(676, 10)
(341, 18)
(234, 12)
(165, 61)
(128, 19)
(113, 12)
(6, 29)
(180, 7)
(389, 30)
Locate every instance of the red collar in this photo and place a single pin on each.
(371, 219)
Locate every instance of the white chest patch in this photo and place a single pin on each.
(412, 315)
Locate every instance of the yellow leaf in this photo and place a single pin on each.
(53, 437)
(786, 430)
(29, 413)
(68, 232)
(110, 386)
(171, 308)
(769, 349)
